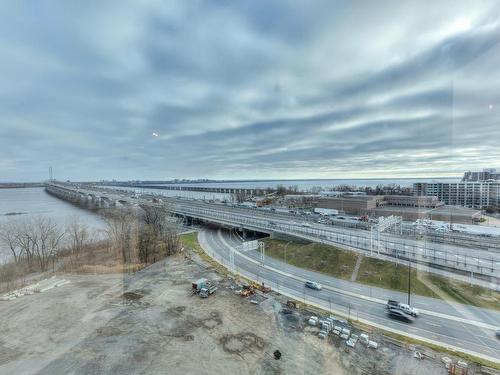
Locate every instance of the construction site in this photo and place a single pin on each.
(186, 315)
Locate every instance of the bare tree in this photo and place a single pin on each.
(281, 190)
(239, 196)
(78, 235)
(45, 237)
(158, 234)
(121, 228)
(27, 240)
(9, 237)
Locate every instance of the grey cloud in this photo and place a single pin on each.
(245, 89)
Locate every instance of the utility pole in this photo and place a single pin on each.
(261, 247)
(288, 243)
(409, 281)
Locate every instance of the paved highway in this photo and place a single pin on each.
(468, 328)
(396, 247)
(478, 261)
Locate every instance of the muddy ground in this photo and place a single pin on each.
(149, 323)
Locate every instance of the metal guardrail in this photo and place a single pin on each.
(397, 249)
(352, 239)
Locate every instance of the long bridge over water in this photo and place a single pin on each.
(203, 189)
(376, 242)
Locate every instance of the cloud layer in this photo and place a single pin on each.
(259, 89)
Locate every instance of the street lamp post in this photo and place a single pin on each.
(288, 243)
(409, 281)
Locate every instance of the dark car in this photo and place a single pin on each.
(400, 315)
(313, 285)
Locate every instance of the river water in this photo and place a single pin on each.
(17, 204)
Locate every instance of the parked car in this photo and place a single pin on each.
(313, 285)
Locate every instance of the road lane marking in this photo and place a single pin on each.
(295, 296)
(372, 299)
(434, 324)
(250, 275)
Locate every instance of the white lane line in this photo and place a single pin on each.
(386, 327)
(342, 291)
(433, 324)
(432, 341)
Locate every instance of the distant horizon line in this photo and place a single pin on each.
(241, 180)
(287, 179)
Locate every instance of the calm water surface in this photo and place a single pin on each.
(29, 202)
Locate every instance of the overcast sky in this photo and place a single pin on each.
(248, 89)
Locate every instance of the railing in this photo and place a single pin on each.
(387, 246)
(395, 247)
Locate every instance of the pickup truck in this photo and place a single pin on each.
(391, 304)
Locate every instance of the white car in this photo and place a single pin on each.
(313, 285)
(408, 309)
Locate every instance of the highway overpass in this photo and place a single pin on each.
(464, 261)
(455, 326)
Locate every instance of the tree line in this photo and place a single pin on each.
(132, 235)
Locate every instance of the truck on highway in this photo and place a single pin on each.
(407, 309)
(326, 211)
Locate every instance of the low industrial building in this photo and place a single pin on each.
(363, 204)
(351, 204)
(412, 201)
(409, 207)
(450, 214)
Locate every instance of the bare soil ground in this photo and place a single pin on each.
(149, 323)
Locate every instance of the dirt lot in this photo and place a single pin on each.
(150, 323)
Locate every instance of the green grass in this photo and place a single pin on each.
(380, 273)
(190, 240)
(393, 276)
(314, 256)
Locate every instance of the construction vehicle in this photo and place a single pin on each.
(261, 287)
(247, 290)
(203, 287)
(210, 288)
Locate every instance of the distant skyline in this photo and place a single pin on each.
(234, 90)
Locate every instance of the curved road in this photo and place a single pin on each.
(466, 328)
